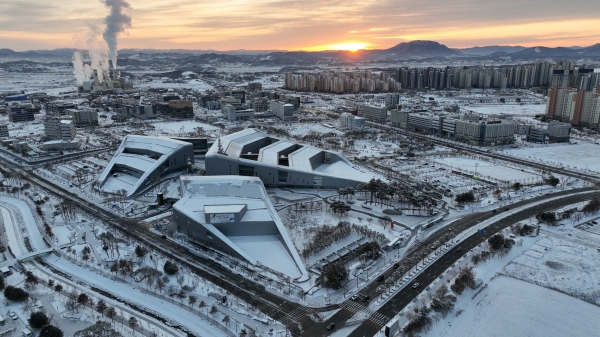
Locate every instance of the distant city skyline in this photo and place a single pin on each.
(302, 25)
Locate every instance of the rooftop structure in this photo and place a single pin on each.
(234, 215)
(140, 160)
(280, 162)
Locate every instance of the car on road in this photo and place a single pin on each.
(459, 249)
(354, 297)
(506, 209)
(366, 298)
(450, 228)
(396, 265)
(381, 278)
(12, 315)
(416, 285)
(331, 326)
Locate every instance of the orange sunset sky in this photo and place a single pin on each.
(303, 25)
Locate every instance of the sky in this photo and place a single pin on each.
(302, 25)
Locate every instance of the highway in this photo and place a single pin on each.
(292, 314)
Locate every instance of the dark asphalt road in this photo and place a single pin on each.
(428, 275)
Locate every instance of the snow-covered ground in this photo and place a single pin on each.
(510, 307)
(526, 293)
(486, 168)
(509, 109)
(581, 156)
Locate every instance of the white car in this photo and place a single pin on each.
(415, 286)
(12, 315)
(354, 297)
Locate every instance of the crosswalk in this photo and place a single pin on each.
(358, 309)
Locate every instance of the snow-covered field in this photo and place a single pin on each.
(581, 156)
(486, 168)
(510, 307)
(561, 264)
(509, 109)
(527, 292)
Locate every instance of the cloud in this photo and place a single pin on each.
(279, 24)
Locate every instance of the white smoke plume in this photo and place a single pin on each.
(82, 71)
(116, 22)
(99, 60)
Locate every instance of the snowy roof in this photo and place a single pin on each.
(139, 162)
(161, 145)
(135, 161)
(223, 208)
(300, 159)
(269, 154)
(230, 194)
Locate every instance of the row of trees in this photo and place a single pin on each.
(325, 237)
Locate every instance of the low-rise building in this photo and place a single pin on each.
(536, 135)
(181, 109)
(559, 132)
(352, 122)
(373, 113)
(3, 130)
(399, 118)
(83, 117)
(20, 113)
(234, 215)
(282, 110)
(485, 132)
(59, 128)
(240, 112)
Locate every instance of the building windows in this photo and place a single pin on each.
(247, 171)
(283, 177)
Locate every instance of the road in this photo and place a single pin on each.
(429, 274)
(484, 152)
(290, 313)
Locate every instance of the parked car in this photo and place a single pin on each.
(12, 315)
(396, 265)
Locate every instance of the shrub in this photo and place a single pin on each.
(465, 197)
(334, 276)
(15, 294)
(38, 320)
(170, 268)
(51, 331)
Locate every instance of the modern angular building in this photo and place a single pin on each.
(141, 160)
(281, 162)
(234, 215)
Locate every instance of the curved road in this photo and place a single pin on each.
(294, 315)
(404, 297)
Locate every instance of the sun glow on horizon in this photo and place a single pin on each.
(349, 46)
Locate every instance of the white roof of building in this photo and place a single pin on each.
(233, 145)
(139, 162)
(135, 161)
(230, 194)
(300, 159)
(154, 144)
(268, 154)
